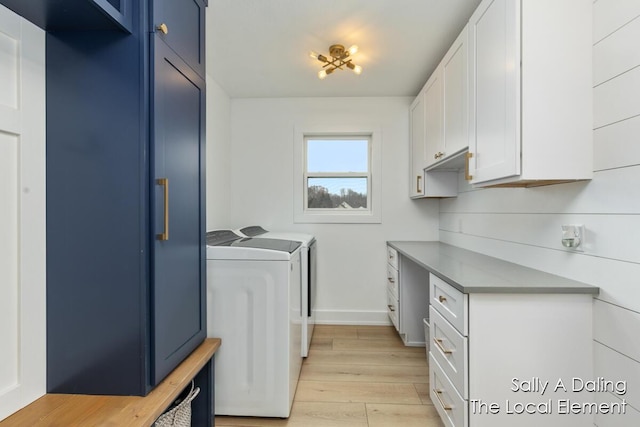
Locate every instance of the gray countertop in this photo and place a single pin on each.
(473, 272)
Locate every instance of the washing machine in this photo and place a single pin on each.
(253, 305)
(309, 274)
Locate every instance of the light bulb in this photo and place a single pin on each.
(313, 54)
(322, 74)
(357, 69)
(353, 49)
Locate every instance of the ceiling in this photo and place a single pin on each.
(260, 48)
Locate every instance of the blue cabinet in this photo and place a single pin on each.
(56, 15)
(124, 112)
(179, 24)
(178, 163)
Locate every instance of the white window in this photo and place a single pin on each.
(337, 177)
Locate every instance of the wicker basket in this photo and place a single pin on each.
(179, 415)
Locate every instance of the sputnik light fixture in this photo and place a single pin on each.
(339, 57)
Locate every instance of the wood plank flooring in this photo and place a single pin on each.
(357, 376)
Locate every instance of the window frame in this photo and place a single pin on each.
(308, 174)
(303, 214)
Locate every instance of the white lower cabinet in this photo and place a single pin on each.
(392, 280)
(451, 350)
(451, 407)
(407, 297)
(491, 355)
(392, 309)
(393, 303)
(450, 302)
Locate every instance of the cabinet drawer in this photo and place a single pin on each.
(450, 303)
(449, 404)
(392, 280)
(392, 309)
(392, 257)
(451, 350)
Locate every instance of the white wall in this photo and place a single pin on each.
(351, 257)
(523, 225)
(218, 153)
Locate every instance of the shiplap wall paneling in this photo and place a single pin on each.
(615, 366)
(618, 145)
(616, 53)
(610, 318)
(612, 100)
(543, 230)
(614, 191)
(611, 15)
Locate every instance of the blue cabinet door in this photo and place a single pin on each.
(178, 271)
(65, 15)
(180, 23)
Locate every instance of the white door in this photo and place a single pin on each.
(494, 90)
(22, 213)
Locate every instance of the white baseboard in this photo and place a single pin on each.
(352, 317)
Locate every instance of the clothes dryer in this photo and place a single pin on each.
(253, 305)
(309, 274)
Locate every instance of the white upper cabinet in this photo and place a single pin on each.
(446, 94)
(439, 124)
(426, 127)
(455, 97)
(530, 92)
(416, 149)
(433, 108)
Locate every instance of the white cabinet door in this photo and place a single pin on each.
(22, 213)
(416, 149)
(433, 118)
(494, 95)
(455, 83)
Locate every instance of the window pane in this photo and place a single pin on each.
(335, 155)
(337, 193)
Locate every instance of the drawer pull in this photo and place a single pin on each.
(444, 406)
(391, 279)
(391, 308)
(438, 342)
(467, 174)
(442, 298)
(164, 182)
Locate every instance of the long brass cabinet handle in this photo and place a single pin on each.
(444, 406)
(418, 178)
(438, 342)
(163, 28)
(164, 182)
(467, 175)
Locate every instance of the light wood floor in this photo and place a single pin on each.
(357, 376)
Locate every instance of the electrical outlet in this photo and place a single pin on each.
(573, 237)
